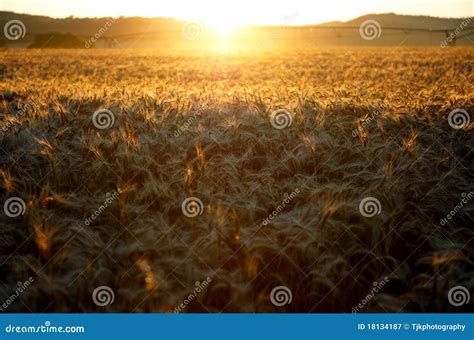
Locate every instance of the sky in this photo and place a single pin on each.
(239, 12)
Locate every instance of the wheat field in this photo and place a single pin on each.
(203, 181)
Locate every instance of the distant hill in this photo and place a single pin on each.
(89, 26)
(125, 27)
(409, 21)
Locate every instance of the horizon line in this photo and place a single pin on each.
(184, 20)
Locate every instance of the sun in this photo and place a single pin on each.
(222, 23)
(223, 28)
